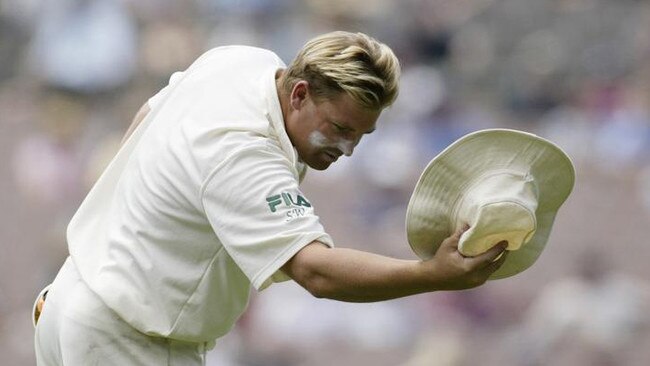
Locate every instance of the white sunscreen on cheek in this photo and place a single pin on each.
(318, 140)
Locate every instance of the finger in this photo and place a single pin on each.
(456, 236)
(495, 265)
(492, 254)
(452, 241)
(488, 270)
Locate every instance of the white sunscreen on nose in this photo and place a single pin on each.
(346, 146)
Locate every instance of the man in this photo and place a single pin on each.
(202, 201)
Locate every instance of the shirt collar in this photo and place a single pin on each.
(274, 115)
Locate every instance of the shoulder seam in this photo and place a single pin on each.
(213, 172)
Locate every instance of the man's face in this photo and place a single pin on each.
(321, 131)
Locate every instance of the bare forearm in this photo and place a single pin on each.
(356, 276)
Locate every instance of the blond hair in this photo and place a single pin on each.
(354, 63)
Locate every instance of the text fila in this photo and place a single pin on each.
(287, 199)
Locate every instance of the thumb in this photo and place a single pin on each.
(452, 241)
(460, 232)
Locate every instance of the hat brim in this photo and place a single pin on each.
(443, 181)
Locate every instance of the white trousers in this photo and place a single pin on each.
(77, 328)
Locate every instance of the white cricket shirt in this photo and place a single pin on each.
(199, 203)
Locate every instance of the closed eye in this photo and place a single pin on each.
(340, 128)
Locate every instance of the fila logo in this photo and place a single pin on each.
(288, 200)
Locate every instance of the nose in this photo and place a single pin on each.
(347, 146)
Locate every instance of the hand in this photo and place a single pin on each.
(450, 270)
(38, 309)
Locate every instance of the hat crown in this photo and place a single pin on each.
(497, 206)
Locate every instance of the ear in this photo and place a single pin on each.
(299, 94)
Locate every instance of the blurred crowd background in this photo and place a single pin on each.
(74, 72)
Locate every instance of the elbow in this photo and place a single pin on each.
(315, 284)
(321, 291)
(308, 268)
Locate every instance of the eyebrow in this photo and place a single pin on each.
(345, 126)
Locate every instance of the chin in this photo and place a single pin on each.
(318, 165)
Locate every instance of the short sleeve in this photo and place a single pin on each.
(258, 212)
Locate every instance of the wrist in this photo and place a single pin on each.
(424, 277)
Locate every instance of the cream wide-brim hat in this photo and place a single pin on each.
(505, 184)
